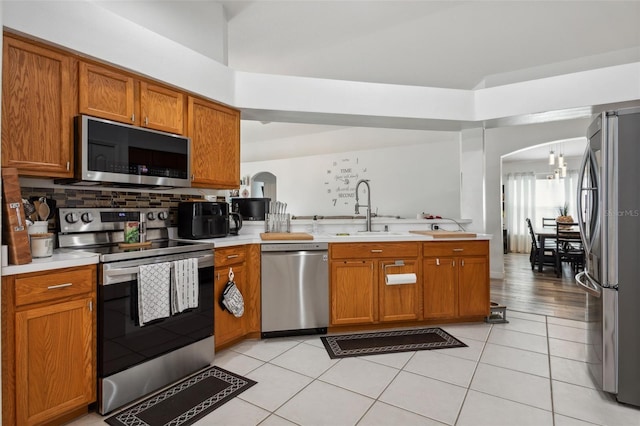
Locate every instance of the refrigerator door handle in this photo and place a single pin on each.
(583, 167)
(583, 280)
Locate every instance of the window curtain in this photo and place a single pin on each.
(571, 192)
(520, 194)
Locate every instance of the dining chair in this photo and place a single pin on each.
(538, 257)
(548, 222)
(569, 247)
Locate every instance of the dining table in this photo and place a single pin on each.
(551, 235)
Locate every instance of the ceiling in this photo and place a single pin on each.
(448, 44)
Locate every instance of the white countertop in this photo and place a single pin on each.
(332, 238)
(60, 259)
(328, 231)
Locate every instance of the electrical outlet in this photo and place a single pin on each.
(434, 227)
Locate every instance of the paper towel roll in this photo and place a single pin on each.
(257, 189)
(394, 279)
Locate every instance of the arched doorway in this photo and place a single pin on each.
(270, 184)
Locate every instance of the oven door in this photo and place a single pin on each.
(122, 342)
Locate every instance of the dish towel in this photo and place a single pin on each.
(184, 285)
(154, 286)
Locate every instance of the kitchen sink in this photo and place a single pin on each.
(369, 234)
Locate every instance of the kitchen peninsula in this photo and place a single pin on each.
(452, 273)
(451, 284)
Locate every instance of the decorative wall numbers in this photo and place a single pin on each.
(341, 180)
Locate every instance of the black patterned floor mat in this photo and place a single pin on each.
(384, 342)
(185, 402)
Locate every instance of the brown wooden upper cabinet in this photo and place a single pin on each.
(215, 144)
(115, 95)
(38, 104)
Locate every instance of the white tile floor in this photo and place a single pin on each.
(530, 371)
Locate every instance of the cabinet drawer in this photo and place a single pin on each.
(457, 248)
(230, 256)
(373, 250)
(33, 288)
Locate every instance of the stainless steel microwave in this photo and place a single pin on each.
(115, 154)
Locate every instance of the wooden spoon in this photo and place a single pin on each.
(43, 209)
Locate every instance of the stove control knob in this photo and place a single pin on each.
(163, 216)
(151, 216)
(71, 217)
(87, 217)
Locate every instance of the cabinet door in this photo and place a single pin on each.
(399, 302)
(354, 295)
(107, 94)
(54, 360)
(226, 326)
(473, 287)
(439, 287)
(161, 108)
(215, 145)
(37, 110)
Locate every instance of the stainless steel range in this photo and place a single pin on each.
(136, 358)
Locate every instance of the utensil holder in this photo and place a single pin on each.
(38, 227)
(41, 245)
(276, 222)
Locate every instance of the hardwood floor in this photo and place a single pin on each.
(536, 292)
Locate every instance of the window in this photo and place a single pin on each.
(551, 194)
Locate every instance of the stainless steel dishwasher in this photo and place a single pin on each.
(295, 288)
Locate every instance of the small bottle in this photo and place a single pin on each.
(314, 226)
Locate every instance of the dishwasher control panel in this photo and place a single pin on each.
(295, 247)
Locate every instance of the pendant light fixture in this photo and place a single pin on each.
(552, 159)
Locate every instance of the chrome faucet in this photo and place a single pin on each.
(368, 205)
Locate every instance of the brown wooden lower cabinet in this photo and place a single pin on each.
(245, 263)
(399, 302)
(49, 345)
(354, 299)
(359, 293)
(452, 282)
(455, 279)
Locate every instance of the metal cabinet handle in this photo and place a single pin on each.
(391, 265)
(17, 206)
(458, 249)
(52, 287)
(461, 262)
(146, 121)
(376, 251)
(233, 256)
(437, 261)
(133, 117)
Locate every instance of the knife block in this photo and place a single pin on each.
(14, 219)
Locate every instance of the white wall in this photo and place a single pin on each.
(198, 25)
(404, 180)
(472, 189)
(95, 31)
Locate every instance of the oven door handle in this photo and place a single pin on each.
(114, 276)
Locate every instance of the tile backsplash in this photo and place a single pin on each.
(72, 197)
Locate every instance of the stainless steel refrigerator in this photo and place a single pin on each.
(609, 217)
